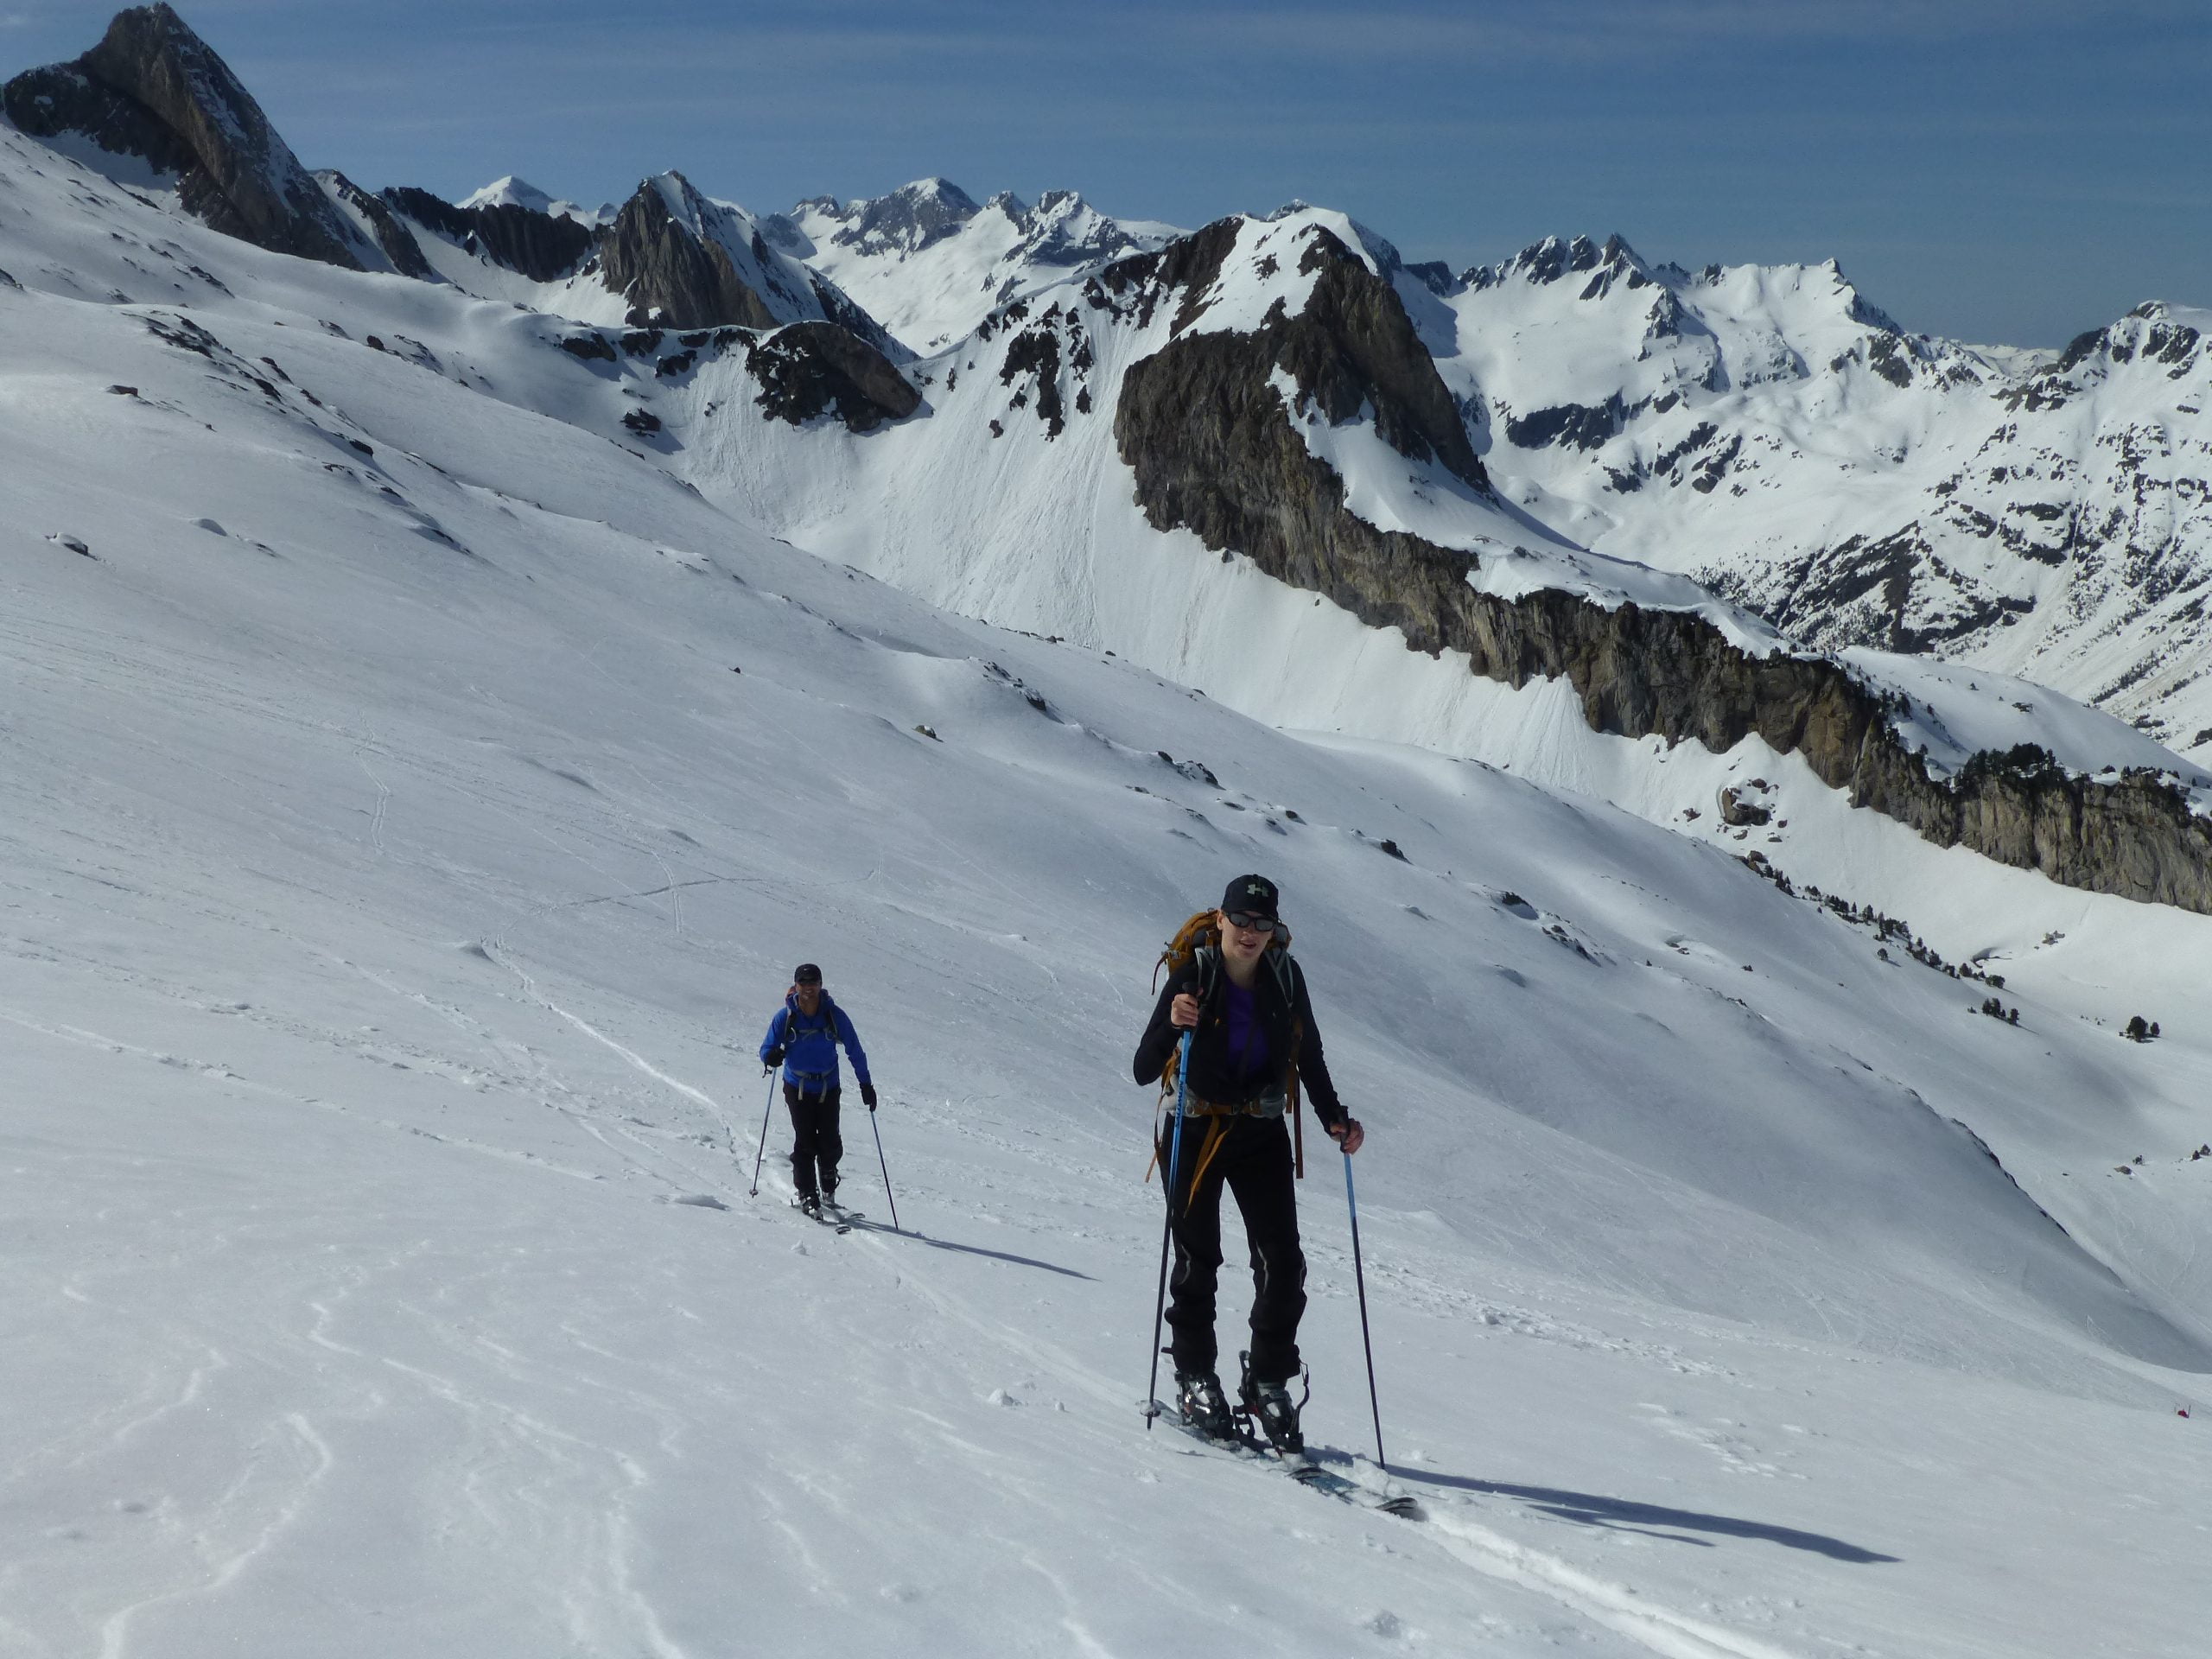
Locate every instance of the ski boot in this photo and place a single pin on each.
(1268, 1405)
(809, 1204)
(1205, 1408)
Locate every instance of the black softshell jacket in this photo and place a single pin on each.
(1210, 1076)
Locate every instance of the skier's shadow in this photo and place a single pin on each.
(1653, 1520)
(970, 1249)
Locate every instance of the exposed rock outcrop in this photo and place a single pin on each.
(1213, 450)
(154, 89)
(1351, 349)
(396, 241)
(675, 275)
(811, 367)
(542, 246)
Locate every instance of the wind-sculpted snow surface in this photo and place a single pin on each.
(416, 784)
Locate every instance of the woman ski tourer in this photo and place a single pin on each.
(1255, 1046)
(803, 1038)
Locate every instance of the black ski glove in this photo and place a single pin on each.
(867, 1095)
(772, 1059)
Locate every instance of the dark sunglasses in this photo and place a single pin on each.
(1251, 921)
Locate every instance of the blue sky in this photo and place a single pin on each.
(1997, 171)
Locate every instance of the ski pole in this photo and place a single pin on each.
(1168, 1227)
(767, 1113)
(1359, 1277)
(886, 1170)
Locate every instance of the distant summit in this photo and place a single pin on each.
(154, 91)
(511, 192)
(930, 264)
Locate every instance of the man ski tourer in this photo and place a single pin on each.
(1255, 1046)
(804, 1039)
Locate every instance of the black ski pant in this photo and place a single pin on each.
(815, 1144)
(1253, 1160)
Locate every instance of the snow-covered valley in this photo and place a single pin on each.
(417, 780)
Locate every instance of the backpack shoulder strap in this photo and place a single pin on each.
(1207, 961)
(1287, 976)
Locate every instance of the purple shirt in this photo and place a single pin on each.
(1247, 1040)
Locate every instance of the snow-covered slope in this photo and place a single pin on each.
(930, 264)
(413, 794)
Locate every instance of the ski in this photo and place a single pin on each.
(1306, 1470)
(830, 1215)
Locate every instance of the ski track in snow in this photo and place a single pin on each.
(698, 1096)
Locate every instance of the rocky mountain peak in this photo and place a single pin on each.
(676, 255)
(907, 220)
(1063, 231)
(152, 89)
(1601, 267)
(683, 260)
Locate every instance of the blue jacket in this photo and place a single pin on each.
(811, 1046)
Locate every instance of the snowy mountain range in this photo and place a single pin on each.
(1769, 433)
(1291, 393)
(443, 692)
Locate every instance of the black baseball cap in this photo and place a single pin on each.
(806, 974)
(1253, 895)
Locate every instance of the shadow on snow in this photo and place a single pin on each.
(1624, 1514)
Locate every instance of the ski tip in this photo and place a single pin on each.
(1405, 1509)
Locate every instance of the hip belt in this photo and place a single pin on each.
(1266, 1106)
